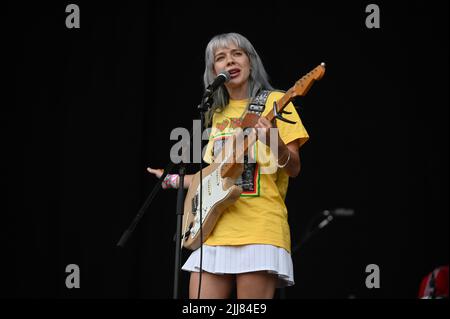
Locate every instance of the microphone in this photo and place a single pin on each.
(344, 212)
(221, 78)
(338, 212)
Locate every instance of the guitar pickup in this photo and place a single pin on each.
(194, 204)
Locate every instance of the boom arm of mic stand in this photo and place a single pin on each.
(126, 235)
(310, 233)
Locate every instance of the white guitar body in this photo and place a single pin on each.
(217, 194)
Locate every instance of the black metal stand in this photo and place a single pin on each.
(127, 233)
(203, 107)
(180, 212)
(310, 231)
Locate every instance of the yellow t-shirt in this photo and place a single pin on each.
(259, 216)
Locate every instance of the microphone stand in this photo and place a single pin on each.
(203, 107)
(126, 235)
(179, 212)
(309, 233)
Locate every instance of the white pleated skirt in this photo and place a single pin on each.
(242, 259)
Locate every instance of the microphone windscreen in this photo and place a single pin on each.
(226, 74)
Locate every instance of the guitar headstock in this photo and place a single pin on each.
(302, 86)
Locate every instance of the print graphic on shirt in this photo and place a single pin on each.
(234, 123)
(249, 180)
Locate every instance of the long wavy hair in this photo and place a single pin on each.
(258, 79)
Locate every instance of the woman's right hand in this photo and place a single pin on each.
(158, 172)
(155, 171)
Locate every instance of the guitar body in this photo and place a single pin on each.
(218, 193)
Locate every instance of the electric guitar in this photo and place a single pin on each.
(218, 179)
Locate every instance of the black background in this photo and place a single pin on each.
(91, 108)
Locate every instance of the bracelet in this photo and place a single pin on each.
(170, 181)
(287, 161)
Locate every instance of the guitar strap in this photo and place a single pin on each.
(258, 104)
(246, 180)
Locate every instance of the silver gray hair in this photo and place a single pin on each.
(258, 77)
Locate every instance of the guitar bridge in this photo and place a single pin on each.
(186, 234)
